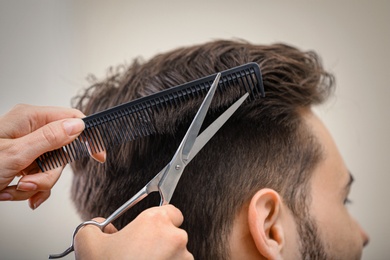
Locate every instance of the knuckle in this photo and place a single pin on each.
(20, 107)
(20, 110)
(181, 238)
(47, 182)
(178, 239)
(49, 134)
(157, 215)
(98, 219)
(172, 209)
(13, 152)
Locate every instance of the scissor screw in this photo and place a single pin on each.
(177, 167)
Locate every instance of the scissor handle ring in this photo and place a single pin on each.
(71, 247)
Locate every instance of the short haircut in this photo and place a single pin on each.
(264, 144)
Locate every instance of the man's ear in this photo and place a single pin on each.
(265, 224)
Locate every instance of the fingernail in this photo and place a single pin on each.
(100, 157)
(30, 204)
(73, 126)
(36, 204)
(26, 186)
(5, 196)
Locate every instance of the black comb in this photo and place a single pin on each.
(133, 120)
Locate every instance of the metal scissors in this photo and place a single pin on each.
(166, 180)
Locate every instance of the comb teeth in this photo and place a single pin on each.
(133, 120)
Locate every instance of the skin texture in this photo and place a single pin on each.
(26, 133)
(262, 159)
(342, 236)
(154, 234)
(266, 229)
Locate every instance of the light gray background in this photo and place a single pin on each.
(48, 47)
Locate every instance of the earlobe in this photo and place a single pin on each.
(264, 223)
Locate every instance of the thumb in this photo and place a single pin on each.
(50, 137)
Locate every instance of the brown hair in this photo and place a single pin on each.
(264, 144)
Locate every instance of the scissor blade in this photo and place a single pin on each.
(193, 130)
(170, 177)
(209, 132)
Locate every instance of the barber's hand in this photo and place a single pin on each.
(26, 132)
(154, 234)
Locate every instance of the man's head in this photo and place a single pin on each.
(256, 187)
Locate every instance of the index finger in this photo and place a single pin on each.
(163, 213)
(24, 119)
